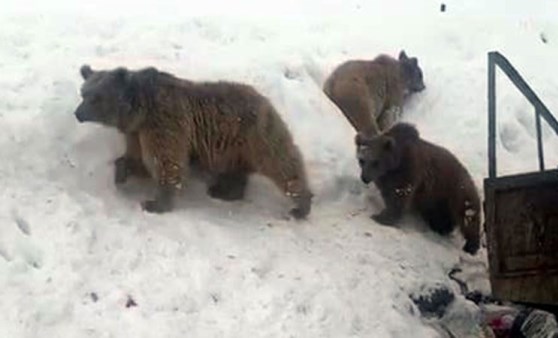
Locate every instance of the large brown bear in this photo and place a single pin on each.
(371, 93)
(416, 175)
(226, 128)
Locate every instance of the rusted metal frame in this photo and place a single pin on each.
(522, 180)
(491, 116)
(495, 58)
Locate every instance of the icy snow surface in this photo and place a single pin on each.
(74, 249)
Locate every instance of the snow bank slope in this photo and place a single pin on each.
(73, 248)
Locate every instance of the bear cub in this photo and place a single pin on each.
(371, 93)
(414, 175)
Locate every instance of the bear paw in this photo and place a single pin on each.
(299, 213)
(303, 205)
(471, 247)
(155, 206)
(384, 218)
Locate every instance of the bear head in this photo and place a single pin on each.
(376, 156)
(110, 97)
(412, 74)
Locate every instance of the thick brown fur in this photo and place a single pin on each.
(414, 175)
(371, 93)
(228, 129)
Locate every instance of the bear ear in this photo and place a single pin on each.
(86, 71)
(406, 131)
(389, 144)
(402, 55)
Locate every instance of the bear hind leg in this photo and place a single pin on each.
(360, 112)
(229, 186)
(439, 217)
(287, 172)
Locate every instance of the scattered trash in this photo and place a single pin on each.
(533, 323)
(506, 319)
(433, 302)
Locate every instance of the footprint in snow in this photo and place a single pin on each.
(23, 225)
(509, 136)
(23, 248)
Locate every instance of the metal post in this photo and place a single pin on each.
(491, 116)
(539, 139)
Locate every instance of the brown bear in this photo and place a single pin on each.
(414, 175)
(371, 93)
(226, 128)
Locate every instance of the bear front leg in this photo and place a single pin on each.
(397, 201)
(388, 216)
(288, 173)
(131, 162)
(121, 171)
(169, 160)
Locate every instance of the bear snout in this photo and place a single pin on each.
(419, 87)
(365, 178)
(80, 114)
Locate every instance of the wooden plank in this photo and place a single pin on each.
(540, 289)
(531, 263)
(491, 229)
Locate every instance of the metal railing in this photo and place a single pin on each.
(497, 59)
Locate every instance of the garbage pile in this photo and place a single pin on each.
(466, 314)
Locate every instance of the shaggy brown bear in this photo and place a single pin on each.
(228, 129)
(371, 93)
(415, 175)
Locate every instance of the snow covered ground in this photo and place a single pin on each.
(74, 249)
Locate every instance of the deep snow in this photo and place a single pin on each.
(73, 248)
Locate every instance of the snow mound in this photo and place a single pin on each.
(78, 258)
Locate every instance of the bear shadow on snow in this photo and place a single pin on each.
(260, 196)
(94, 167)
